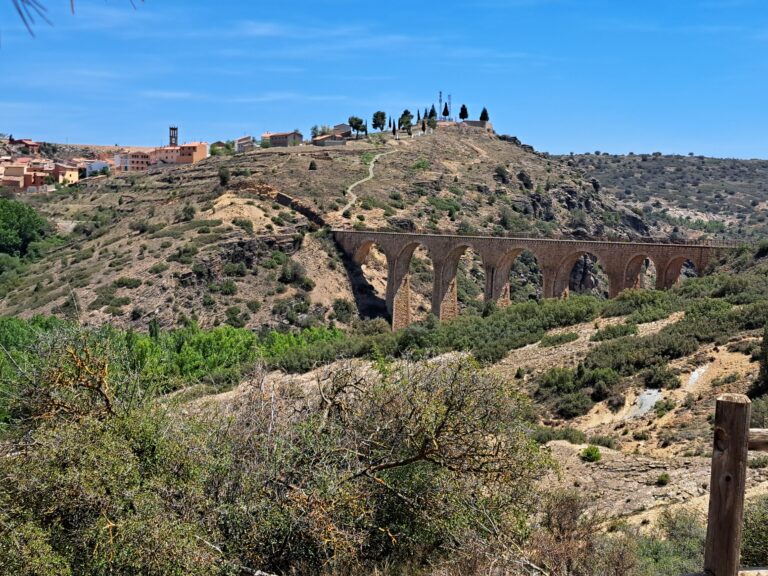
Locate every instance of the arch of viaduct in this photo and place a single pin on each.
(621, 261)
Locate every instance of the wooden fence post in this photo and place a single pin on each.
(727, 485)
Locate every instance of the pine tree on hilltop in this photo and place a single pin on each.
(418, 115)
(426, 113)
(433, 112)
(356, 124)
(406, 120)
(379, 120)
(446, 112)
(464, 113)
(484, 116)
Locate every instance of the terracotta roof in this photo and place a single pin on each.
(268, 135)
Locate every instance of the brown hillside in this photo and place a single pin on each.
(175, 243)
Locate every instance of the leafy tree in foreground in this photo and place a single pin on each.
(20, 225)
(399, 466)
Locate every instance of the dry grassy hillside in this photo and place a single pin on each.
(697, 195)
(211, 242)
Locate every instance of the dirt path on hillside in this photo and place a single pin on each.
(352, 196)
(483, 154)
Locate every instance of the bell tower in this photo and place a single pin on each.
(174, 140)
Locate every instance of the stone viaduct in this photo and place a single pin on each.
(621, 261)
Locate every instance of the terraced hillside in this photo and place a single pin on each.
(222, 240)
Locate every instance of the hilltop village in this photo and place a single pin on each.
(30, 166)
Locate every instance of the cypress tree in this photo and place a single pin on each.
(418, 115)
(464, 113)
(433, 112)
(484, 115)
(446, 112)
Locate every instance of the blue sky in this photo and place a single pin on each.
(675, 76)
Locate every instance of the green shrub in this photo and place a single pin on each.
(663, 479)
(760, 412)
(663, 407)
(591, 454)
(235, 269)
(343, 310)
(551, 340)
(759, 462)
(659, 377)
(573, 404)
(243, 223)
(544, 434)
(129, 283)
(224, 176)
(228, 288)
(754, 542)
(158, 268)
(605, 441)
(614, 331)
(183, 255)
(642, 305)
(676, 547)
(236, 317)
(292, 272)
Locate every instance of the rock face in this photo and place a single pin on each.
(253, 251)
(635, 222)
(585, 277)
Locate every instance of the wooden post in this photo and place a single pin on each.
(727, 485)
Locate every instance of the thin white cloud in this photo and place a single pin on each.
(169, 95)
(283, 97)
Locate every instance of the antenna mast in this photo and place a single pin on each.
(450, 108)
(440, 108)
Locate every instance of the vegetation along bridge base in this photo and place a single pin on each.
(621, 261)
